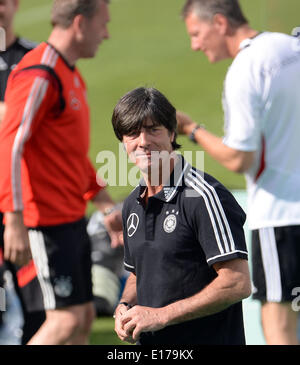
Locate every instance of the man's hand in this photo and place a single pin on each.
(16, 240)
(113, 224)
(140, 319)
(185, 124)
(112, 221)
(122, 334)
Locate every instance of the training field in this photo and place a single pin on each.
(149, 47)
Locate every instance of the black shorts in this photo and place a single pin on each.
(276, 263)
(62, 257)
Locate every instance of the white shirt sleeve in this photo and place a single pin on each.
(242, 107)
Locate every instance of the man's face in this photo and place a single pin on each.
(205, 36)
(8, 9)
(150, 147)
(95, 30)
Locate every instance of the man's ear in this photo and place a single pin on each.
(172, 137)
(221, 24)
(78, 26)
(16, 4)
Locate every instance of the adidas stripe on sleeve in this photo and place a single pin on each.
(218, 220)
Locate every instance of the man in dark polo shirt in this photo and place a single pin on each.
(183, 236)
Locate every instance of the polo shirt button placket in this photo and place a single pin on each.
(149, 222)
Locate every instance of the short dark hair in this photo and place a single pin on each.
(142, 104)
(207, 9)
(64, 11)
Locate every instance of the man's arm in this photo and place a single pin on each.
(230, 286)
(112, 217)
(16, 248)
(19, 124)
(103, 200)
(234, 160)
(2, 110)
(97, 194)
(128, 296)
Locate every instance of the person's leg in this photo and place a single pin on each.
(82, 335)
(279, 323)
(34, 310)
(275, 263)
(62, 257)
(32, 322)
(70, 325)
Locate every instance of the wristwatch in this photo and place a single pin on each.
(192, 135)
(108, 211)
(127, 304)
(123, 303)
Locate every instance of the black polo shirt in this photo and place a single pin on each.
(10, 58)
(171, 245)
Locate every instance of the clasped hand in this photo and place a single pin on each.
(130, 323)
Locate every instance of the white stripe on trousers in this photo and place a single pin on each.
(271, 265)
(40, 258)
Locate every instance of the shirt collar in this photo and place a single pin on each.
(170, 189)
(13, 44)
(247, 41)
(72, 68)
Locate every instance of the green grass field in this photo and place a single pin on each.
(103, 333)
(149, 46)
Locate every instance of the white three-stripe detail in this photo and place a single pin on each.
(271, 264)
(212, 219)
(49, 57)
(39, 255)
(33, 103)
(36, 95)
(211, 200)
(214, 207)
(220, 209)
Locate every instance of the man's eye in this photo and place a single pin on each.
(134, 134)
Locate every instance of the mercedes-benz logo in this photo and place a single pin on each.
(132, 224)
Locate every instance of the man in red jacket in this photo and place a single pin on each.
(46, 176)
(13, 49)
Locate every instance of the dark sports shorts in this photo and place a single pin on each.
(62, 258)
(276, 263)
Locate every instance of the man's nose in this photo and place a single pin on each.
(106, 34)
(144, 139)
(195, 45)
